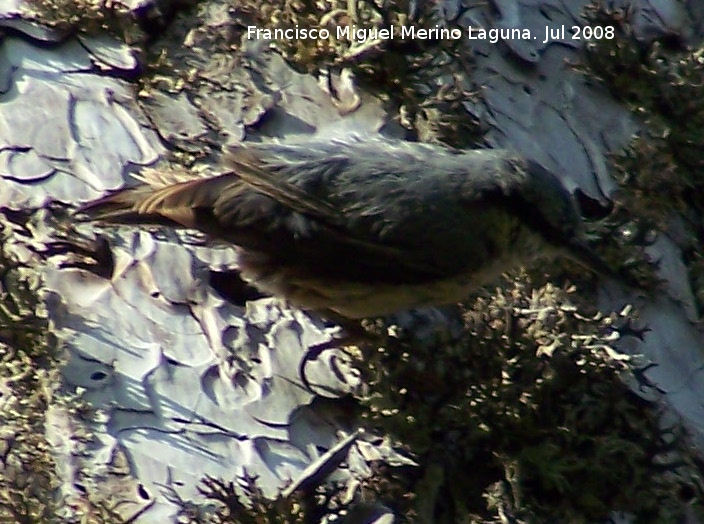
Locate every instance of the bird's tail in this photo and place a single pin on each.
(120, 207)
(174, 205)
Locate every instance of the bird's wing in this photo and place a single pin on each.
(332, 239)
(247, 166)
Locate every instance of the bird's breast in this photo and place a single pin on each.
(360, 299)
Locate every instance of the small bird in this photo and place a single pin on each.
(362, 225)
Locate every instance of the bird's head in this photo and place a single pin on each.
(550, 210)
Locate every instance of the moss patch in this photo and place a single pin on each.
(528, 415)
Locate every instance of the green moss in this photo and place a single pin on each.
(660, 174)
(528, 414)
(659, 81)
(28, 379)
(92, 17)
(662, 168)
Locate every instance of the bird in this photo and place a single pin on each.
(358, 225)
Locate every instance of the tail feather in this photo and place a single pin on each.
(173, 205)
(120, 207)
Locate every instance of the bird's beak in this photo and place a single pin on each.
(587, 258)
